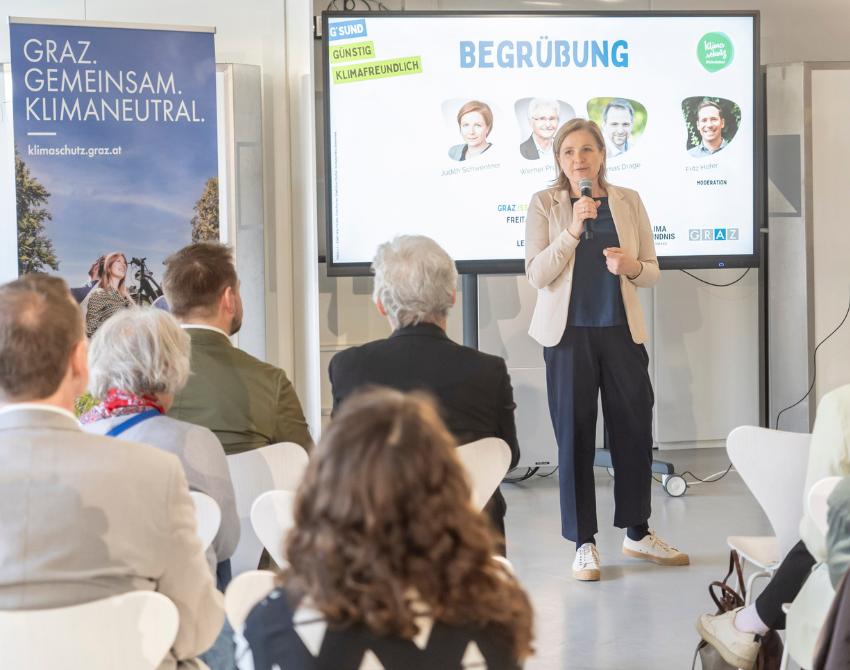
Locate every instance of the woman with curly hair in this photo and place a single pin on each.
(390, 566)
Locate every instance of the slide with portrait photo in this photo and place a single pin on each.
(442, 125)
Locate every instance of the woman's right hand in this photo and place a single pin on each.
(584, 208)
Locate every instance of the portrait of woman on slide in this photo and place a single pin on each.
(475, 121)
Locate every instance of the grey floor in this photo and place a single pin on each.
(639, 616)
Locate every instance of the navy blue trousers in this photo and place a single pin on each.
(585, 362)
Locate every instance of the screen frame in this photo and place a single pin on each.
(517, 266)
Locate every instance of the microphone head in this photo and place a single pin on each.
(585, 186)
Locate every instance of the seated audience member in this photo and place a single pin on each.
(247, 403)
(138, 360)
(838, 534)
(85, 517)
(415, 286)
(389, 564)
(736, 635)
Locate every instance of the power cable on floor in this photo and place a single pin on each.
(529, 472)
(710, 479)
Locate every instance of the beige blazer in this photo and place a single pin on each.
(84, 517)
(550, 256)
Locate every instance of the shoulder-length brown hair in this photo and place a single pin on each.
(105, 275)
(482, 108)
(385, 511)
(572, 126)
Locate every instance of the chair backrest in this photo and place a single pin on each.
(208, 516)
(245, 591)
(773, 464)
(486, 463)
(271, 519)
(816, 501)
(277, 466)
(132, 631)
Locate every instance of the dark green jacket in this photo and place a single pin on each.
(247, 403)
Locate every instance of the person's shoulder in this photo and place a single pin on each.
(126, 454)
(258, 366)
(837, 400)
(482, 360)
(275, 611)
(456, 151)
(547, 196)
(623, 192)
(181, 430)
(358, 352)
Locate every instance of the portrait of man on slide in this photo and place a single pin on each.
(617, 122)
(710, 124)
(544, 117)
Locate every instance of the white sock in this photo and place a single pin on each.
(748, 620)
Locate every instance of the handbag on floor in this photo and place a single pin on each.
(726, 598)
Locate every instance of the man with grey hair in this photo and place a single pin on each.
(543, 116)
(415, 287)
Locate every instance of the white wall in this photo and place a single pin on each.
(830, 233)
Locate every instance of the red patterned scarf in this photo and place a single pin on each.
(120, 403)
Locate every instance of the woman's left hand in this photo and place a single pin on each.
(620, 263)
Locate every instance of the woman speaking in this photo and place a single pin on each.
(588, 247)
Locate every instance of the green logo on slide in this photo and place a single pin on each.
(715, 51)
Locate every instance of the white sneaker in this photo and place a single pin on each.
(735, 647)
(586, 563)
(653, 548)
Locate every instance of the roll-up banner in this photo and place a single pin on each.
(115, 149)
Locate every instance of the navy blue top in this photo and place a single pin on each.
(283, 634)
(596, 299)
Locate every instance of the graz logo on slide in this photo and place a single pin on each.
(715, 51)
(713, 234)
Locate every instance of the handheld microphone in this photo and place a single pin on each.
(586, 188)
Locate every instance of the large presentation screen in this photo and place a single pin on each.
(441, 124)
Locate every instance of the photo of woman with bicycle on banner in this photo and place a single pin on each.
(109, 290)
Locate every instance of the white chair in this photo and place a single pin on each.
(244, 592)
(277, 466)
(772, 464)
(132, 631)
(506, 563)
(271, 519)
(486, 463)
(816, 501)
(208, 517)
